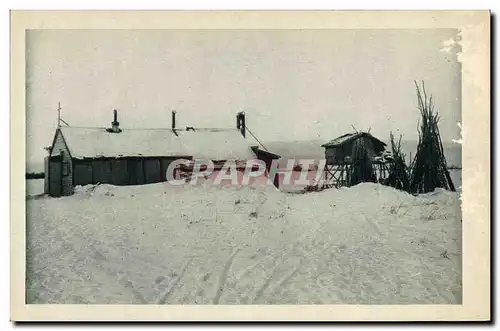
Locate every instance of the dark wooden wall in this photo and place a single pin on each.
(47, 176)
(55, 176)
(336, 155)
(121, 171)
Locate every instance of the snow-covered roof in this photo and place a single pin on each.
(213, 144)
(216, 144)
(348, 137)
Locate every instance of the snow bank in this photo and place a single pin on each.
(367, 244)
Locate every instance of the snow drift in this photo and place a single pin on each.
(160, 244)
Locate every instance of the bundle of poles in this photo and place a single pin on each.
(428, 169)
(399, 173)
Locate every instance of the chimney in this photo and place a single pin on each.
(115, 125)
(173, 119)
(240, 123)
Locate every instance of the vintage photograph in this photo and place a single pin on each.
(250, 166)
(243, 167)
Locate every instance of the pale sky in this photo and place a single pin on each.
(292, 84)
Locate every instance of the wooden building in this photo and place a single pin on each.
(81, 156)
(338, 155)
(339, 148)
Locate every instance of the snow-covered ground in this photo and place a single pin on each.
(157, 244)
(293, 186)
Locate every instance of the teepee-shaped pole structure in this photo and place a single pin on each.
(429, 170)
(398, 170)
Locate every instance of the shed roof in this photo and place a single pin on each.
(213, 144)
(339, 141)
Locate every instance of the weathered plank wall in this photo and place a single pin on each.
(82, 172)
(55, 184)
(66, 174)
(46, 172)
(336, 155)
(152, 171)
(101, 171)
(121, 171)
